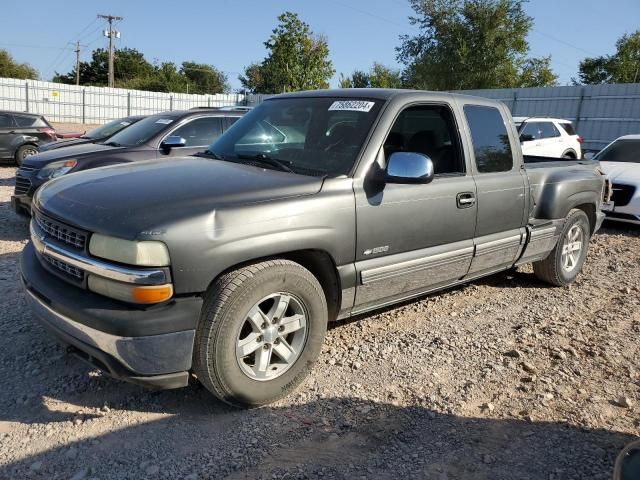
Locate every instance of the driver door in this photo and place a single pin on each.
(415, 237)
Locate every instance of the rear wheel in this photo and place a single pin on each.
(260, 332)
(24, 152)
(566, 260)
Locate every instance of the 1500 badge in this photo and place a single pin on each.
(372, 251)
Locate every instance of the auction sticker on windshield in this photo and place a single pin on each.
(166, 121)
(352, 105)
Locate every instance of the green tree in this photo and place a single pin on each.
(378, 76)
(129, 65)
(621, 67)
(203, 78)
(9, 68)
(469, 44)
(297, 59)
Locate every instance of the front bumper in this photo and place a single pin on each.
(111, 335)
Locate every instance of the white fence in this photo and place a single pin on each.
(93, 105)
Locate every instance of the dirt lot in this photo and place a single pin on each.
(504, 378)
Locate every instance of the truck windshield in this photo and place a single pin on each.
(109, 129)
(310, 136)
(627, 151)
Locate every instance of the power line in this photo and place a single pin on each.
(559, 40)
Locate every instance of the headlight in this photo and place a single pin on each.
(144, 253)
(56, 169)
(130, 293)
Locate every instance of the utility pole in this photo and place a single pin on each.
(110, 33)
(77, 62)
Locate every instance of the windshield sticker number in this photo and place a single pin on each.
(164, 121)
(126, 124)
(352, 105)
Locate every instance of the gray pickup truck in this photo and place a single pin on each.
(315, 206)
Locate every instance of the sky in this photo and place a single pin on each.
(229, 34)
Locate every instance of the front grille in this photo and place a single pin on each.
(22, 185)
(622, 194)
(24, 168)
(61, 232)
(65, 268)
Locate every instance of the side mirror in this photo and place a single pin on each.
(409, 167)
(172, 141)
(525, 137)
(627, 466)
(589, 155)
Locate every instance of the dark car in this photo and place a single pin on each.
(164, 135)
(96, 135)
(21, 134)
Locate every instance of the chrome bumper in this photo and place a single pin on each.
(146, 355)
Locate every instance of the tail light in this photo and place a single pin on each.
(579, 139)
(49, 132)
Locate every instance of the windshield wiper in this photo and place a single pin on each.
(209, 154)
(263, 158)
(112, 144)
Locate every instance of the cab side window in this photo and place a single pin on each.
(491, 144)
(430, 130)
(200, 132)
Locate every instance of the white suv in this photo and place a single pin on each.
(548, 137)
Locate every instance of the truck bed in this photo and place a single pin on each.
(535, 161)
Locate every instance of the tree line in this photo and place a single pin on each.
(460, 45)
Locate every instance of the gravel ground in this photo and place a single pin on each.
(504, 378)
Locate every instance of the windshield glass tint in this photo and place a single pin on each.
(621, 151)
(108, 129)
(314, 136)
(142, 131)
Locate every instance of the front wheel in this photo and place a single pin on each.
(565, 261)
(260, 332)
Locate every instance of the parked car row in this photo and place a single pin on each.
(164, 135)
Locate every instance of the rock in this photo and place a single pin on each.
(625, 402)
(36, 466)
(488, 406)
(528, 367)
(513, 354)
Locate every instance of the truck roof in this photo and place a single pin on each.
(375, 93)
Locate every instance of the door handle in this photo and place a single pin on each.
(465, 200)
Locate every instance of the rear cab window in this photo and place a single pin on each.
(491, 142)
(27, 121)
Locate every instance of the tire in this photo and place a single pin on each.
(25, 151)
(570, 155)
(554, 268)
(225, 323)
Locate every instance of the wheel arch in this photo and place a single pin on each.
(319, 262)
(570, 152)
(590, 210)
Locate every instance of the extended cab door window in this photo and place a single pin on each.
(500, 187)
(491, 144)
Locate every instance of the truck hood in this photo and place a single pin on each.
(42, 159)
(624, 172)
(125, 200)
